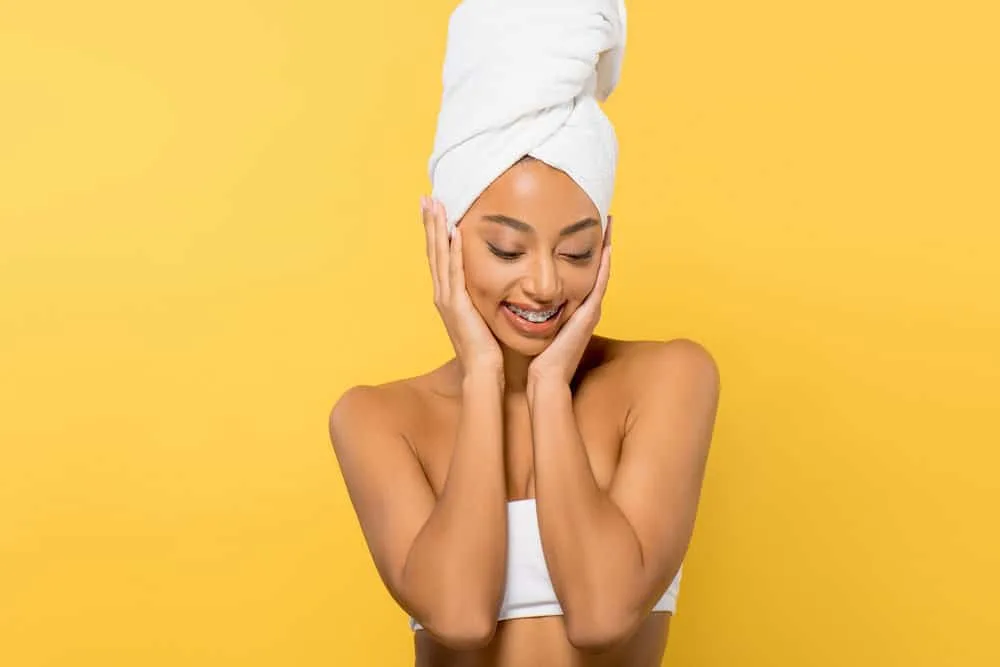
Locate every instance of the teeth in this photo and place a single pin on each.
(533, 316)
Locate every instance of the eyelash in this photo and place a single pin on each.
(512, 256)
(502, 254)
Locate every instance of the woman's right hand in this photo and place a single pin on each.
(476, 347)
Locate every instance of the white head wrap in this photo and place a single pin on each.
(524, 77)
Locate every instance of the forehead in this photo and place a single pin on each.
(537, 193)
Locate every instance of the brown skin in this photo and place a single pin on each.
(615, 438)
(550, 269)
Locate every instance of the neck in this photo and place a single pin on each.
(515, 371)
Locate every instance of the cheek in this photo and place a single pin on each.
(578, 283)
(483, 282)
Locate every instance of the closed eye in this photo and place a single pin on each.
(579, 257)
(504, 254)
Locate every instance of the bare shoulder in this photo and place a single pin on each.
(644, 364)
(381, 471)
(401, 407)
(396, 406)
(364, 404)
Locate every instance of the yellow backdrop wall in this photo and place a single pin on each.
(209, 229)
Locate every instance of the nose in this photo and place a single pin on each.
(542, 283)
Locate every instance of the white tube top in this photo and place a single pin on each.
(529, 591)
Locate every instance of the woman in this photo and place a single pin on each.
(530, 501)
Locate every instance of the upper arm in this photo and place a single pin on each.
(386, 484)
(664, 454)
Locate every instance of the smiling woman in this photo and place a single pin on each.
(534, 274)
(513, 499)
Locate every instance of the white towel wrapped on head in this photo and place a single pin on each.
(524, 77)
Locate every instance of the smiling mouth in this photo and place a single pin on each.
(534, 316)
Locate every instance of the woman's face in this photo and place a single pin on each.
(532, 247)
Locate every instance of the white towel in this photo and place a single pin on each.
(524, 77)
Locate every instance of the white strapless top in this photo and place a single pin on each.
(529, 589)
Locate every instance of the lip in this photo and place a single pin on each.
(533, 329)
(533, 309)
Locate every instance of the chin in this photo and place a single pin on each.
(526, 340)
(529, 347)
(517, 341)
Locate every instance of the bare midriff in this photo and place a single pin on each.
(542, 642)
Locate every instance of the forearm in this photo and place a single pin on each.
(454, 573)
(595, 559)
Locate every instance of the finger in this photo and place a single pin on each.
(592, 304)
(455, 264)
(441, 247)
(603, 273)
(429, 234)
(604, 270)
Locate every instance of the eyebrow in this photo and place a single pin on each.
(522, 226)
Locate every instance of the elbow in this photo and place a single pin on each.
(462, 630)
(598, 630)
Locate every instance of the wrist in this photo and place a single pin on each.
(475, 377)
(545, 384)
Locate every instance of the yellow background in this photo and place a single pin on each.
(209, 229)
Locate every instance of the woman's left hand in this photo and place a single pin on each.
(560, 359)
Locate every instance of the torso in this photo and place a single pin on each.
(430, 405)
(541, 642)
